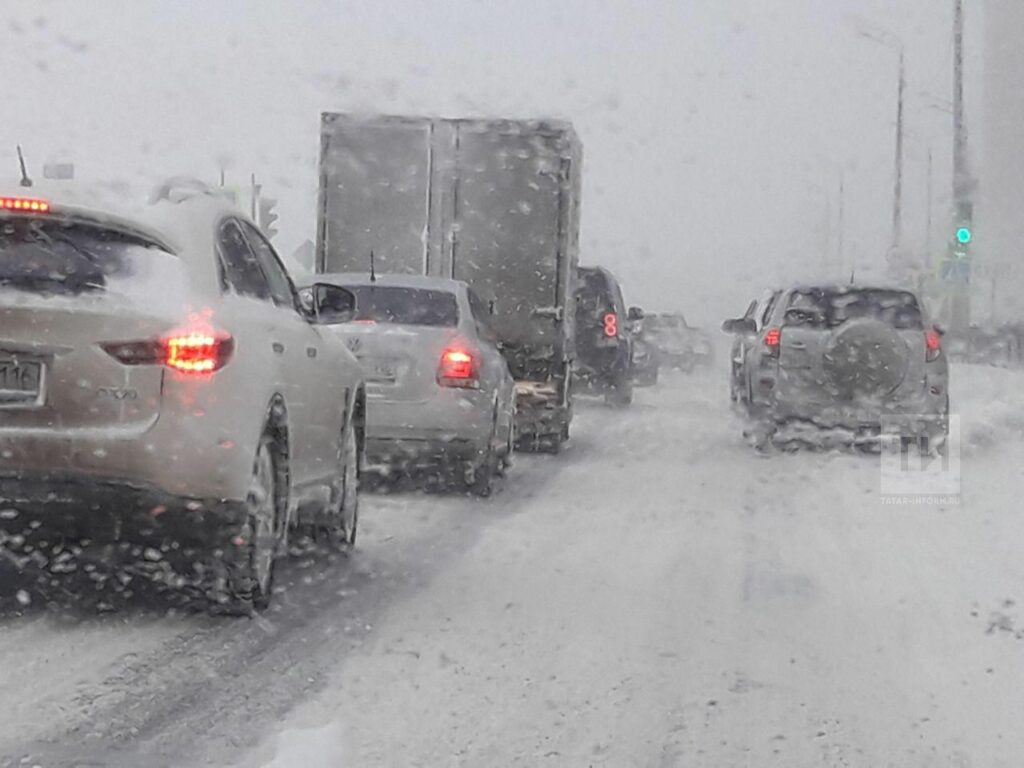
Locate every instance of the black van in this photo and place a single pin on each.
(603, 339)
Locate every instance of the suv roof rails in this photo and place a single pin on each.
(178, 189)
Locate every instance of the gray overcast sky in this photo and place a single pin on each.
(714, 130)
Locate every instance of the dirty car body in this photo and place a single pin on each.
(146, 359)
(439, 391)
(860, 360)
(604, 344)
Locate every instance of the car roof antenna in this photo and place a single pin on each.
(373, 271)
(25, 180)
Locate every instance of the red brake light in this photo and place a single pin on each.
(458, 368)
(611, 325)
(28, 204)
(197, 352)
(932, 344)
(772, 338)
(193, 353)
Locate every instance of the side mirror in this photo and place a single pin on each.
(635, 313)
(327, 304)
(742, 325)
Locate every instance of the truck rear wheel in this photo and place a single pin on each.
(621, 393)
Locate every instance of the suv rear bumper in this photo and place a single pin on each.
(599, 370)
(923, 417)
(84, 506)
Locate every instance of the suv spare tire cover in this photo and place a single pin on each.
(865, 358)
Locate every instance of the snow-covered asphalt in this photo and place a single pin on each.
(658, 595)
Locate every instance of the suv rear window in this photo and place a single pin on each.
(594, 294)
(831, 308)
(48, 256)
(405, 306)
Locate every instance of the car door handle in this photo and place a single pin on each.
(311, 351)
(278, 347)
(797, 345)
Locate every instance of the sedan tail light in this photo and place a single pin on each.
(932, 345)
(458, 368)
(772, 340)
(189, 353)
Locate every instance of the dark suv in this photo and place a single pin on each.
(604, 345)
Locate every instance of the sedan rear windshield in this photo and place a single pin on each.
(828, 308)
(405, 306)
(50, 256)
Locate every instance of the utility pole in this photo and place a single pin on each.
(254, 196)
(842, 220)
(960, 310)
(897, 198)
(930, 204)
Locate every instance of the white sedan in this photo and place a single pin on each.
(439, 391)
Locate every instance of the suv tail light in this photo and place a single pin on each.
(611, 325)
(772, 339)
(29, 204)
(932, 345)
(458, 368)
(189, 353)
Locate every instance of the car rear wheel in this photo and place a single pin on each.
(248, 572)
(343, 522)
(505, 462)
(482, 472)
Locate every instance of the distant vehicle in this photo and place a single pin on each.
(604, 344)
(746, 339)
(494, 203)
(682, 346)
(161, 382)
(439, 392)
(856, 359)
(645, 363)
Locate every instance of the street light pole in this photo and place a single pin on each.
(886, 38)
(897, 201)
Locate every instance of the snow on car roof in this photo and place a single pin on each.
(111, 203)
(185, 224)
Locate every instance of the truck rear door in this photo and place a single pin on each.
(374, 194)
(507, 234)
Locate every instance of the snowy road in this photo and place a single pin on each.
(656, 596)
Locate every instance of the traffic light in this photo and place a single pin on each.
(963, 233)
(267, 216)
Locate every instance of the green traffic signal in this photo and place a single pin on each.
(964, 235)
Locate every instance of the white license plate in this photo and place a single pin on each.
(385, 371)
(21, 381)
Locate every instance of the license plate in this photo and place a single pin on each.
(384, 372)
(21, 381)
(381, 370)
